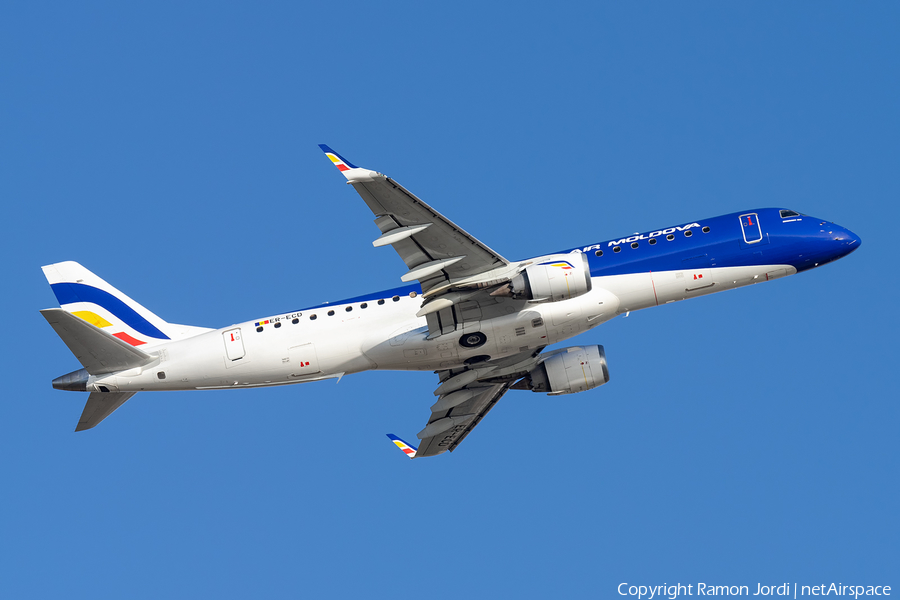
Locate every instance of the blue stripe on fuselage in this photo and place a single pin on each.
(383, 295)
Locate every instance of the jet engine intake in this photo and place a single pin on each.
(567, 371)
(553, 278)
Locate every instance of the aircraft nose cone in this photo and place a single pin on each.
(837, 242)
(847, 239)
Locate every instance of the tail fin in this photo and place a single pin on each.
(86, 296)
(410, 451)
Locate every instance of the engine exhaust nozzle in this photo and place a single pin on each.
(76, 381)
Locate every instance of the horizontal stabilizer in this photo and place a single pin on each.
(99, 406)
(96, 350)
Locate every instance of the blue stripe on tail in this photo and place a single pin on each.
(67, 293)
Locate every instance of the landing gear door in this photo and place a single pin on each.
(303, 360)
(234, 345)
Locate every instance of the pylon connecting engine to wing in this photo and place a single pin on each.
(567, 371)
(552, 279)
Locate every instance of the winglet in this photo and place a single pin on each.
(410, 451)
(339, 161)
(350, 171)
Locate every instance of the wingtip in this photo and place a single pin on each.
(407, 449)
(338, 160)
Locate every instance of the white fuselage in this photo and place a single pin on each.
(348, 338)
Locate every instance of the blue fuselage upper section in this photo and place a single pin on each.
(755, 237)
(762, 236)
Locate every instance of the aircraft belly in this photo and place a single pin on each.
(398, 341)
(672, 286)
(634, 291)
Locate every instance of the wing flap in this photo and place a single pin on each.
(460, 420)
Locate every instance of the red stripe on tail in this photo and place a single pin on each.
(127, 338)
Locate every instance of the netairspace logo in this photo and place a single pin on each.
(649, 592)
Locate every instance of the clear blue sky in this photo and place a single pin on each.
(171, 147)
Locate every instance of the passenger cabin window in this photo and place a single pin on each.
(652, 241)
(617, 249)
(634, 244)
(598, 253)
(789, 213)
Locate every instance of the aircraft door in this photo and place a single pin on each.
(304, 360)
(750, 228)
(234, 345)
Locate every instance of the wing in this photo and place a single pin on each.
(465, 396)
(456, 271)
(450, 423)
(435, 249)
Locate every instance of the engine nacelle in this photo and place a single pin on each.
(553, 278)
(568, 371)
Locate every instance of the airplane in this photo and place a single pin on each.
(481, 322)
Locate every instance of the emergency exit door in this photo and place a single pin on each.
(234, 345)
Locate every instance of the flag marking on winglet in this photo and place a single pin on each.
(339, 161)
(410, 451)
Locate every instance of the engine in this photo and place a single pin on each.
(553, 278)
(567, 371)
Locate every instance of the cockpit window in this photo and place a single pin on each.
(789, 213)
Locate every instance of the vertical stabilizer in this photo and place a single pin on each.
(90, 298)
